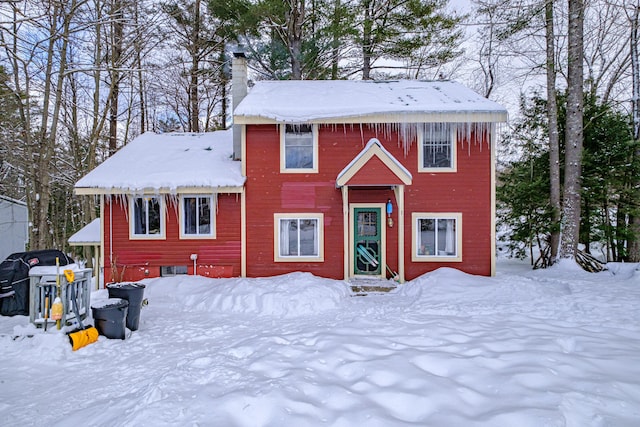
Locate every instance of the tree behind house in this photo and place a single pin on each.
(608, 172)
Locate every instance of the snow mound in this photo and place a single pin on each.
(441, 282)
(452, 292)
(625, 270)
(289, 295)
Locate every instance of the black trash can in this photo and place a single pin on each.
(109, 316)
(132, 292)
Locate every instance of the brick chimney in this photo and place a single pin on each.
(239, 83)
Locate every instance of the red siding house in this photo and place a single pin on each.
(343, 179)
(170, 204)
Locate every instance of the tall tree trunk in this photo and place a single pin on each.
(40, 169)
(367, 40)
(335, 42)
(295, 19)
(574, 135)
(554, 139)
(634, 241)
(194, 119)
(24, 103)
(117, 15)
(224, 82)
(138, 49)
(621, 231)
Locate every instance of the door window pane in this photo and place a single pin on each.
(367, 223)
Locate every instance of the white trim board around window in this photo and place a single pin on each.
(197, 216)
(147, 218)
(299, 148)
(298, 237)
(437, 148)
(436, 237)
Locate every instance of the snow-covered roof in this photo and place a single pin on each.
(169, 162)
(365, 101)
(88, 235)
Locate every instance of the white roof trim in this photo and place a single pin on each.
(373, 148)
(442, 117)
(80, 191)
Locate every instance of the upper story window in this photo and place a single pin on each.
(299, 148)
(437, 148)
(147, 219)
(197, 216)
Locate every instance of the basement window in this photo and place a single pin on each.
(172, 270)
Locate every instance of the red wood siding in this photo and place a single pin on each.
(143, 258)
(467, 191)
(268, 192)
(375, 172)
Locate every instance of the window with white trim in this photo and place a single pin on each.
(437, 149)
(298, 237)
(437, 236)
(197, 217)
(147, 217)
(299, 148)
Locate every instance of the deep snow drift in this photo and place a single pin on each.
(527, 348)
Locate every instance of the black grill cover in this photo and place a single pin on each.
(14, 278)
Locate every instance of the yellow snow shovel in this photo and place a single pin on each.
(82, 336)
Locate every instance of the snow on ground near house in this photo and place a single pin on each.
(327, 99)
(169, 161)
(527, 348)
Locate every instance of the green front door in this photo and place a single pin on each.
(367, 241)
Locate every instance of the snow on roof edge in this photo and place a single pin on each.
(167, 163)
(89, 234)
(380, 117)
(349, 101)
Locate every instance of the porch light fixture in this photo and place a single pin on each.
(389, 212)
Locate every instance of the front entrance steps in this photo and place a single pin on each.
(362, 286)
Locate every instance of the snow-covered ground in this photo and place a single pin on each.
(559, 347)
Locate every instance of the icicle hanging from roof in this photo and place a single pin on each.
(470, 133)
